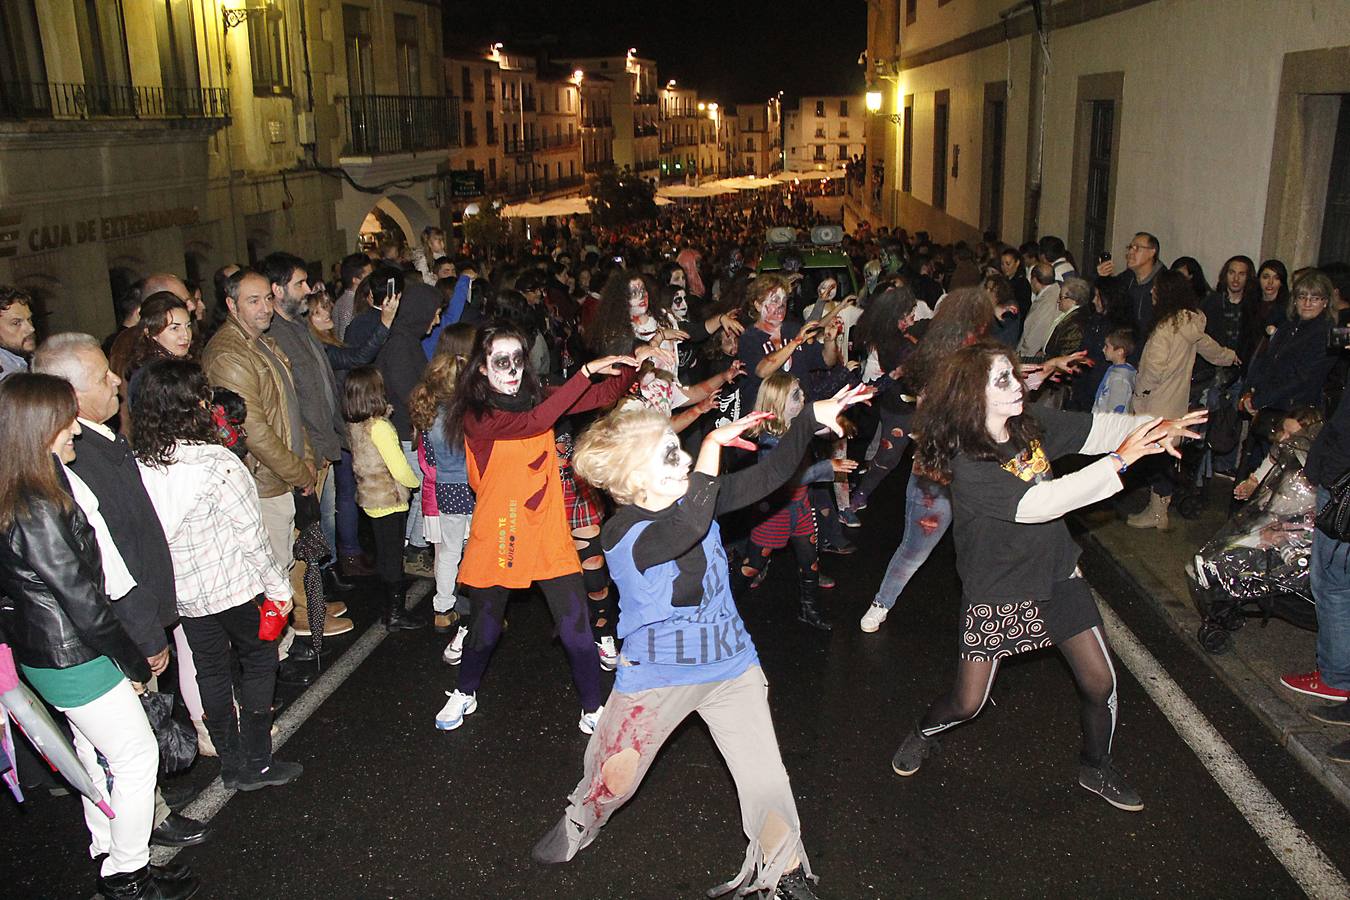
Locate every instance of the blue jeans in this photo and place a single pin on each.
(413, 534)
(1331, 591)
(328, 511)
(347, 518)
(928, 515)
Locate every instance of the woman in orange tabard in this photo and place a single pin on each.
(519, 534)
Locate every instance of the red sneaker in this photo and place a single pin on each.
(1311, 683)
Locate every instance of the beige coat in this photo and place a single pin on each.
(232, 360)
(1163, 386)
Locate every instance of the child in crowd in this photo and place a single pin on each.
(449, 502)
(1305, 421)
(789, 517)
(383, 482)
(1117, 386)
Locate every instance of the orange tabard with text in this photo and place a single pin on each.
(519, 532)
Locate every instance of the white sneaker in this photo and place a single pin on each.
(588, 720)
(454, 651)
(456, 708)
(609, 654)
(872, 619)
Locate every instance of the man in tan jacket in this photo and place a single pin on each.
(243, 359)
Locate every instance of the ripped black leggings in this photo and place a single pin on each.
(599, 586)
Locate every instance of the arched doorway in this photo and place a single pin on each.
(397, 217)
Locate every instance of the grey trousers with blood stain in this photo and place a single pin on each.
(627, 739)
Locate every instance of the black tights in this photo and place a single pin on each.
(1087, 656)
(803, 549)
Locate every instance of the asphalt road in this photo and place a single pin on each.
(390, 807)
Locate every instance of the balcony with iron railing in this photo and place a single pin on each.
(596, 165)
(597, 122)
(645, 99)
(380, 124)
(516, 145)
(73, 101)
(646, 129)
(551, 143)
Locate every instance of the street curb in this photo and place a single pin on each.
(1305, 742)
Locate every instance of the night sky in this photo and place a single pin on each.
(731, 50)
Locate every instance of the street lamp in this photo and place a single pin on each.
(874, 101)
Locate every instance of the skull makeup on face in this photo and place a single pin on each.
(1003, 396)
(828, 289)
(665, 476)
(796, 402)
(637, 298)
(679, 305)
(505, 365)
(773, 308)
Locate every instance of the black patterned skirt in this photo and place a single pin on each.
(995, 630)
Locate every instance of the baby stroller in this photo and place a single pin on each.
(1257, 565)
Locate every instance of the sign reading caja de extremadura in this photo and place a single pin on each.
(42, 238)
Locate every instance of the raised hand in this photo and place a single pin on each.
(827, 412)
(730, 434)
(608, 365)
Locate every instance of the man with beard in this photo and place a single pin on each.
(18, 337)
(320, 409)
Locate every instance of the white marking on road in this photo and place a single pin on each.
(214, 796)
(1315, 873)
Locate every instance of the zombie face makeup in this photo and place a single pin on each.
(827, 289)
(773, 309)
(1003, 395)
(505, 365)
(637, 298)
(679, 305)
(664, 477)
(796, 402)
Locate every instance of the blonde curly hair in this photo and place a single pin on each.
(609, 453)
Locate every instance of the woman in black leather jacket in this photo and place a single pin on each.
(69, 644)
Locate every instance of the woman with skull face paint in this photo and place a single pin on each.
(775, 342)
(519, 534)
(1019, 567)
(685, 648)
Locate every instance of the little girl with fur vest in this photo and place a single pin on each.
(383, 483)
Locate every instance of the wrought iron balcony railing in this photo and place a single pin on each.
(379, 124)
(70, 100)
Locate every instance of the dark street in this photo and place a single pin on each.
(390, 807)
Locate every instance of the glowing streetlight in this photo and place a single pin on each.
(873, 101)
(578, 76)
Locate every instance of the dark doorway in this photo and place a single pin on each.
(991, 176)
(1096, 218)
(1335, 246)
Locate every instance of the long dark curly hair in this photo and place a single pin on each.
(951, 417)
(171, 406)
(473, 393)
(1174, 296)
(878, 327)
(611, 331)
(964, 315)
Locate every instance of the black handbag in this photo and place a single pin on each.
(177, 742)
(1333, 520)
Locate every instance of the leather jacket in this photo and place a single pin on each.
(52, 575)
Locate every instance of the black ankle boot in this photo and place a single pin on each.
(225, 737)
(259, 769)
(333, 582)
(396, 616)
(145, 884)
(811, 614)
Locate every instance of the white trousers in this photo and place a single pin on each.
(115, 725)
(448, 534)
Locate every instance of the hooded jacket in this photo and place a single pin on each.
(401, 360)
